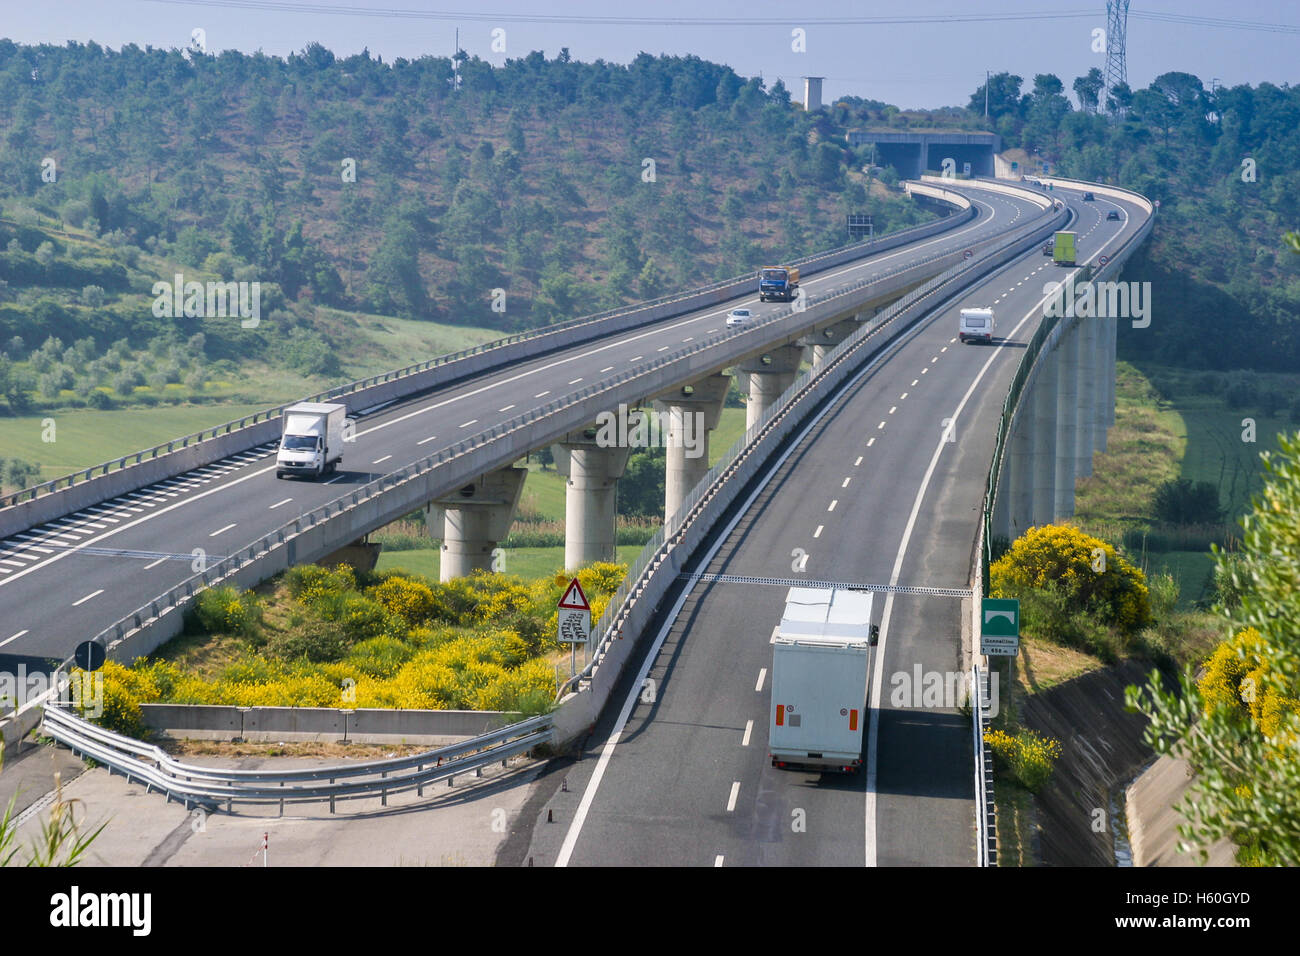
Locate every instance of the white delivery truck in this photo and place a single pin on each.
(820, 663)
(311, 439)
(976, 325)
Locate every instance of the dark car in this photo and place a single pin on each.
(1113, 214)
(1089, 197)
(1047, 247)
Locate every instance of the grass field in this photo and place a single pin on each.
(1216, 452)
(85, 437)
(529, 563)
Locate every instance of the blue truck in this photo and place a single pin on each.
(778, 283)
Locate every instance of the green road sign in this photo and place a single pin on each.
(1000, 617)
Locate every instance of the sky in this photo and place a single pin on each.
(940, 61)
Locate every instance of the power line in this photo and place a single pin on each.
(284, 6)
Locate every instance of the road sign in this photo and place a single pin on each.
(573, 617)
(574, 626)
(89, 656)
(1000, 627)
(1014, 165)
(967, 254)
(1103, 260)
(965, 169)
(574, 599)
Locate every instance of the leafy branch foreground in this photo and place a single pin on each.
(60, 840)
(333, 638)
(1239, 726)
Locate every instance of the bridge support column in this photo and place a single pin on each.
(693, 412)
(1104, 408)
(823, 341)
(1044, 438)
(473, 520)
(1019, 466)
(1067, 402)
(592, 469)
(1086, 410)
(770, 374)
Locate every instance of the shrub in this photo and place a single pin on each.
(1180, 501)
(1028, 756)
(99, 399)
(223, 610)
(1065, 557)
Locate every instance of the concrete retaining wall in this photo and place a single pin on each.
(320, 724)
(1153, 822)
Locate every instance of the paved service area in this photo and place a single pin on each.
(460, 825)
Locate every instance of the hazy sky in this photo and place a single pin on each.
(926, 64)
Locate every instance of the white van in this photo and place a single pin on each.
(976, 325)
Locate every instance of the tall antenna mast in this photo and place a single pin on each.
(1116, 67)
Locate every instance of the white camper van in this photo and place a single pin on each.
(976, 325)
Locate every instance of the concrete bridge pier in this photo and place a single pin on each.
(1043, 442)
(592, 470)
(1086, 411)
(824, 340)
(770, 374)
(474, 520)
(1067, 402)
(693, 411)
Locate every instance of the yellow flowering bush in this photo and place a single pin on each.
(1028, 756)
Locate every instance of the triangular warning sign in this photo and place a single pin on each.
(574, 599)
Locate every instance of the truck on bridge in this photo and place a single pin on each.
(1063, 250)
(778, 283)
(311, 439)
(821, 655)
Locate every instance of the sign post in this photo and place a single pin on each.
(1000, 627)
(573, 621)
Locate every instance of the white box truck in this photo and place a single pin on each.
(311, 439)
(821, 655)
(976, 325)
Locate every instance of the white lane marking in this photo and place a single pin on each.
(636, 358)
(834, 502)
(933, 360)
(717, 860)
(88, 597)
(689, 338)
(762, 675)
(731, 799)
(422, 441)
(710, 331)
(871, 441)
(953, 339)
(892, 409)
(877, 681)
(664, 349)
(924, 370)
(154, 564)
(284, 501)
(903, 396)
(540, 394)
(13, 637)
(846, 482)
(818, 532)
(607, 368)
(944, 349)
(219, 530)
(880, 426)
(744, 741)
(334, 479)
(506, 409)
(859, 461)
(913, 385)
(380, 461)
(576, 380)
(468, 423)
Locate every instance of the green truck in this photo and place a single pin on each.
(1063, 249)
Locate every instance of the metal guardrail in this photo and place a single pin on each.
(338, 391)
(707, 578)
(213, 787)
(656, 551)
(986, 829)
